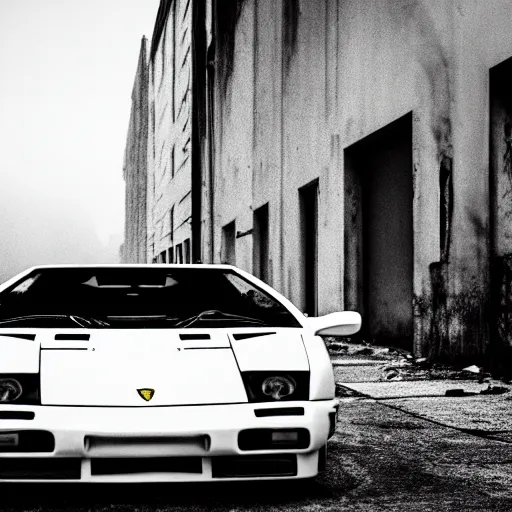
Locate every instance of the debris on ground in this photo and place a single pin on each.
(391, 374)
(490, 390)
(473, 369)
(399, 364)
(494, 390)
(484, 377)
(459, 392)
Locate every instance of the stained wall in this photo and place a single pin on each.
(298, 83)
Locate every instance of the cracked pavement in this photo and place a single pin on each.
(380, 458)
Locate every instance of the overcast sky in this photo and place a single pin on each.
(67, 71)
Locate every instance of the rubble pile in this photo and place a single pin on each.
(401, 365)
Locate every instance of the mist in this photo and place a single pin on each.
(44, 226)
(65, 97)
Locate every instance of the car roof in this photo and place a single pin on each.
(138, 266)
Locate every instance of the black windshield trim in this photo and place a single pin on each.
(278, 314)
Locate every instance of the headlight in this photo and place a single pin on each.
(10, 390)
(269, 386)
(278, 387)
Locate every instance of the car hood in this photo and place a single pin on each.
(148, 367)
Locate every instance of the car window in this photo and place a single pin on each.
(256, 297)
(121, 297)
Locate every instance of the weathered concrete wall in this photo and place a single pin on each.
(345, 70)
(267, 180)
(135, 167)
(234, 133)
(169, 141)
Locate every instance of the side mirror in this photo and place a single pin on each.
(343, 323)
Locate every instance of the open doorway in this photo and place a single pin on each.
(308, 197)
(500, 155)
(500, 191)
(260, 246)
(379, 233)
(228, 248)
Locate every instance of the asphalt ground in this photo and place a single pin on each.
(399, 445)
(380, 458)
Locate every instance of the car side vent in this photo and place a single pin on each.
(17, 415)
(247, 335)
(30, 337)
(279, 411)
(194, 336)
(72, 337)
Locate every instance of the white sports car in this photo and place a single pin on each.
(152, 373)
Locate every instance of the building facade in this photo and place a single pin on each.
(134, 248)
(353, 154)
(361, 156)
(170, 135)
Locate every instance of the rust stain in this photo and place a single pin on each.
(458, 322)
(291, 24)
(227, 16)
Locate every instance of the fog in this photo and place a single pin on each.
(68, 68)
(44, 226)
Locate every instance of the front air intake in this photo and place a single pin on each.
(125, 466)
(250, 466)
(273, 439)
(26, 441)
(40, 469)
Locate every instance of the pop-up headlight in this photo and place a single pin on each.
(276, 386)
(10, 390)
(19, 388)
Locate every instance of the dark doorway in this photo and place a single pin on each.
(500, 191)
(379, 233)
(501, 155)
(260, 245)
(229, 244)
(308, 197)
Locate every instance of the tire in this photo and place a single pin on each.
(322, 459)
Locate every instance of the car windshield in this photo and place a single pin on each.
(147, 298)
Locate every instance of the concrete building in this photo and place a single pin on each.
(171, 227)
(361, 160)
(354, 154)
(134, 247)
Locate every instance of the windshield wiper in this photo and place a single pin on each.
(215, 314)
(85, 322)
(89, 321)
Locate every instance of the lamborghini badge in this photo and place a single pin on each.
(146, 393)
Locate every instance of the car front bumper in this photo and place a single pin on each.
(160, 444)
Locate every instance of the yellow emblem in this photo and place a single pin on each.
(146, 393)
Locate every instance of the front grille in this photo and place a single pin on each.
(116, 446)
(25, 441)
(247, 466)
(40, 469)
(123, 466)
